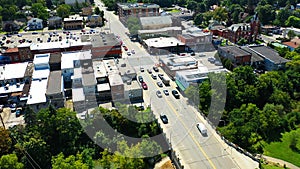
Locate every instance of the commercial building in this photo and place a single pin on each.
(73, 22)
(164, 45)
(55, 22)
(55, 89)
(103, 46)
(237, 55)
(126, 10)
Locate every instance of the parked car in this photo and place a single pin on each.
(141, 80)
(159, 84)
(166, 92)
(164, 118)
(175, 94)
(35, 33)
(202, 128)
(158, 93)
(142, 69)
(19, 112)
(144, 85)
(13, 107)
(129, 53)
(155, 69)
(149, 71)
(154, 76)
(132, 51)
(160, 76)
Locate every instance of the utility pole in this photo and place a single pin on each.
(2, 121)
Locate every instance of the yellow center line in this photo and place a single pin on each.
(176, 113)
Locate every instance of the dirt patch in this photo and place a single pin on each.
(167, 165)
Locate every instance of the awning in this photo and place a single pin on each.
(181, 87)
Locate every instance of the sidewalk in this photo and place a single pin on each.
(280, 162)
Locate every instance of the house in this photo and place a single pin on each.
(73, 22)
(293, 44)
(73, 2)
(126, 10)
(35, 24)
(237, 55)
(196, 39)
(94, 21)
(55, 22)
(103, 45)
(272, 60)
(10, 26)
(55, 89)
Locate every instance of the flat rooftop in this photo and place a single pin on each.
(103, 87)
(110, 67)
(127, 6)
(54, 83)
(101, 40)
(13, 71)
(196, 74)
(234, 50)
(132, 86)
(160, 30)
(41, 59)
(99, 69)
(65, 43)
(163, 42)
(115, 80)
(38, 88)
(78, 95)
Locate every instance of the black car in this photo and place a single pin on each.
(149, 71)
(155, 69)
(164, 118)
(160, 76)
(141, 80)
(175, 94)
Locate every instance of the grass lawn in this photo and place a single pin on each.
(269, 166)
(172, 10)
(282, 149)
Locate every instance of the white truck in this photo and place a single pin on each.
(202, 128)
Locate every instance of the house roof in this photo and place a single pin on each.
(126, 6)
(54, 83)
(35, 20)
(12, 50)
(254, 56)
(55, 58)
(268, 53)
(235, 27)
(291, 44)
(155, 20)
(234, 50)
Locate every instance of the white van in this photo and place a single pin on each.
(202, 128)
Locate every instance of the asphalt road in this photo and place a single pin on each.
(194, 150)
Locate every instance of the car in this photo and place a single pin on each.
(82, 30)
(159, 84)
(141, 80)
(144, 85)
(3, 38)
(142, 69)
(158, 93)
(154, 76)
(155, 69)
(175, 94)
(18, 112)
(35, 33)
(166, 92)
(129, 53)
(193, 53)
(13, 107)
(19, 35)
(164, 118)
(7, 41)
(149, 71)
(211, 60)
(132, 51)
(29, 41)
(160, 76)
(125, 48)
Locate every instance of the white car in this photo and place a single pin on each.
(132, 51)
(158, 93)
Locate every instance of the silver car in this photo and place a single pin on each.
(158, 93)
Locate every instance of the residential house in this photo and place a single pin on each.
(35, 24)
(237, 55)
(293, 44)
(73, 2)
(55, 22)
(126, 10)
(73, 22)
(10, 26)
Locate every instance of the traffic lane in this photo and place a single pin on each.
(184, 136)
(210, 145)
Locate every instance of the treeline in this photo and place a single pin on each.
(258, 107)
(56, 139)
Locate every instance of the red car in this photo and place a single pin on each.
(144, 85)
(125, 48)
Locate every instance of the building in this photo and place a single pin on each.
(155, 22)
(196, 39)
(94, 21)
(55, 89)
(185, 78)
(256, 61)
(54, 22)
(237, 55)
(55, 61)
(103, 88)
(35, 24)
(38, 87)
(117, 87)
(26, 51)
(163, 32)
(173, 63)
(293, 44)
(133, 92)
(73, 2)
(86, 11)
(10, 26)
(13, 78)
(73, 22)
(164, 45)
(103, 46)
(272, 60)
(126, 10)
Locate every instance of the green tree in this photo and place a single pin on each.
(133, 25)
(5, 141)
(10, 161)
(265, 13)
(39, 10)
(282, 16)
(192, 5)
(291, 34)
(293, 21)
(198, 19)
(63, 10)
(192, 93)
(71, 162)
(220, 14)
(97, 10)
